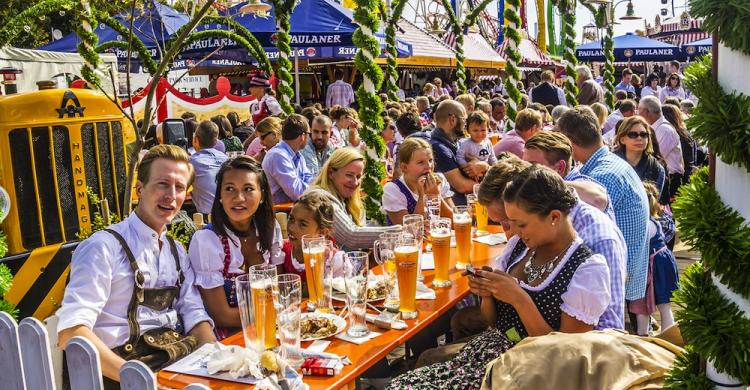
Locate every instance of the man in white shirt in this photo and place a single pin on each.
(100, 302)
(626, 110)
(669, 141)
(340, 93)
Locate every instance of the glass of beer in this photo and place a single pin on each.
(355, 280)
(263, 292)
(383, 253)
(414, 224)
(480, 214)
(289, 313)
(317, 251)
(440, 230)
(462, 226)
(406, 253)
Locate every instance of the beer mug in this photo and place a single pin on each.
(263, 294)
(317, 253)
(384, 256)
(414, 224)
(406, 253)
(462, 226)
(440, 230)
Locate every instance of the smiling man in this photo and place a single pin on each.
(131, 290)
(318, 148)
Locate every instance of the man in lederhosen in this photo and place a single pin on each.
(128, 293)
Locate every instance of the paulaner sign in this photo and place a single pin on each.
(315, 39)
(654, 52)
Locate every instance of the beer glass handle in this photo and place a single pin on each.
(376, 251)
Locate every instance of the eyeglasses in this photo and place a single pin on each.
(636, 134)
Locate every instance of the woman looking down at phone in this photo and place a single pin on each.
(547, 280)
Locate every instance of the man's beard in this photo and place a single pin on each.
(458, 131)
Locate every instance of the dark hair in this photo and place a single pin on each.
(207, 132)
(628, 105)
(497, 102)
(225, 127)
(264, 218)
(338, 74)
(190, 126)
(627, 71)
(478, 117)
(651, 77)
(673, 100)
(187, 115)
(408, 123)
(294, 126)
(234, 119)
(310, 113)
(539, 190)
(621, 94)
(581, 126)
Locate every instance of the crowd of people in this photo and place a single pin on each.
(583, 192)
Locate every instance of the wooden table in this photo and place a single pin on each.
(366, 355)
(283, 207)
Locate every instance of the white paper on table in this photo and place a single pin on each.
(492, 239)
(357, 340)
(427, 261)
(195, 364)
(318, 346)
(424, 292)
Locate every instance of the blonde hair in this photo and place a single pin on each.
(339, 159)
(466, 100)
(601, 112)
(653, 198)
(628, 124)
(409, 146)
(269, 124)
(167, 152)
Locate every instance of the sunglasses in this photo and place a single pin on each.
(635, 134)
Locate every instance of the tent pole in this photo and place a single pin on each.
(296, 77)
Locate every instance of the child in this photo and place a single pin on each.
(311, 214)
(477, 146)
(662, 272)
(408, 194)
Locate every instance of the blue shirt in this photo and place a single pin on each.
(631, 212)
(629, 88)
(206, 163)
(444, 152)
(314, 158)
(603, 236)
(575, 175)
(287, 173)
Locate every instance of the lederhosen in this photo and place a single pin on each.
(230, 289)
(159, 347)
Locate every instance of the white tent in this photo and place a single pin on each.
(37, 65)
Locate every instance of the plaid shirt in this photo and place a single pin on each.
(339, 93)
(631, 211)
(603, 236)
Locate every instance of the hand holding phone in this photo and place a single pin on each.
(470, 270)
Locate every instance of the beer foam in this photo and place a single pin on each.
(461, 218)
(406, 249)
(314, 251)
(440, 233)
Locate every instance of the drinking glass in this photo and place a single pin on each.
(440, 230)
(317, 251)
(414, 224)
(406, 253)
(480, 214)
(355, 280)
(432, 204)
(247, 314)
(462, 226)
(263, 291)
(383, 253)
(289, 313)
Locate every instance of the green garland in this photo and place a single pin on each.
(392, 17)
(6, 280)
(513, 59)
(255, 49)
(609, 67)
(720, 120)
(84, 27)
(726, 19)
(370, 105)
(712, 325)
(687, 373)
(11, 28)
(283, 9)
(137, 44)
(457, 28)
(567, 10)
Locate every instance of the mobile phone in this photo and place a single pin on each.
(470, 270)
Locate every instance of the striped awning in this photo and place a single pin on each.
(681, 38)
(531, 56)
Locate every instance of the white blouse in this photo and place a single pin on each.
(588, 293)
(206, 255)
(394, 200)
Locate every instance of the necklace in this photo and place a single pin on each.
(534, 272)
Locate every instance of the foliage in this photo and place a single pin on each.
(725, 19)
(137, 45)
(687, 374)
(567, 10)
(97, 219)
(714, 326)
(391, 17)
(283, 9)
(513, 57)
(6, 281)
(370, 105)
(720, 120)
(181, 229)
(3, 244)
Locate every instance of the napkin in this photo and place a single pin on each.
(424, 292)
(492, 239)
(357, 340)
(235, 359)
(427, 261)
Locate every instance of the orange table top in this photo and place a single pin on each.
(366, 355)
(283, 207)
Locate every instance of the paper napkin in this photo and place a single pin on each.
(357, 340)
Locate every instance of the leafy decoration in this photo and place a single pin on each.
(284, 10)
(6, 281)
(137, 44)
(721, 120)
(725, 19)
(567, 10)
(687, 374)
(513, 57)
(97, 217)
(392, 17)
(370, 105)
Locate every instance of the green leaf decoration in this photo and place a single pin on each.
(725, 19)
(686, 373)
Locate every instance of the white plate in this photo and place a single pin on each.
(337, 294)
(338, 321)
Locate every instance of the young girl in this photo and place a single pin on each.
(662, 272)
(244, 232)
(311, 214)
(477, 145)
(408, 194)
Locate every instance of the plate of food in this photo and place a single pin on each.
(316, 326)
(376, 289)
